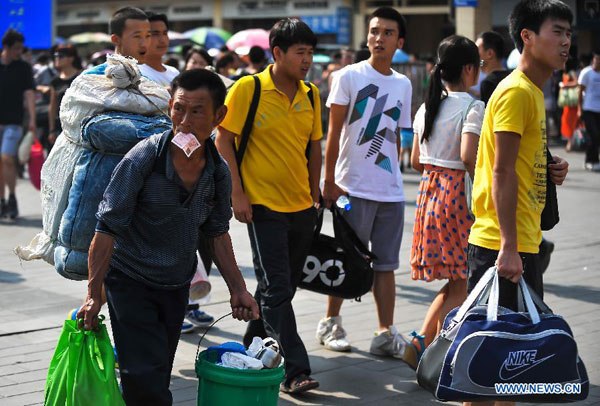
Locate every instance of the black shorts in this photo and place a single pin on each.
(480, 259)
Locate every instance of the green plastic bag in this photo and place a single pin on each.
(82, 370)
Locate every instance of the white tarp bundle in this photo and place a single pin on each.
(116, 86)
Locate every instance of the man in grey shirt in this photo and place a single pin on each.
(160, 196)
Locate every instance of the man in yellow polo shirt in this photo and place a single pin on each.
(509, 191)
(279, 185)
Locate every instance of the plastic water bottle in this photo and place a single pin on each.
(343, 203)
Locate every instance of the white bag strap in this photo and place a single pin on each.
(492, 307)
(520, 303)
(531, 309)
(475, 293)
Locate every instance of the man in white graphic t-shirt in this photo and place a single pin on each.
(369, 104)
(153, 68)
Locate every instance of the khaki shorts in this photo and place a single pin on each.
(381, 224)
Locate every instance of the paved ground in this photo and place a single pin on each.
(34, 301)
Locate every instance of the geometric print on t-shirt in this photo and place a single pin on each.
(370, 133)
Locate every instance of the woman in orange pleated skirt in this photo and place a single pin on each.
(447, 128)
(442, 226)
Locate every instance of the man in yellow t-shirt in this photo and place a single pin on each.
(509, 190)
(279, 185)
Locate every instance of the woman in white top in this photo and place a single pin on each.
(447, 128)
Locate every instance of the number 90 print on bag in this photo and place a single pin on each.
(331, 272)
(340, 266)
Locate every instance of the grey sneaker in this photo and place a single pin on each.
(388, 343)
(332, 335)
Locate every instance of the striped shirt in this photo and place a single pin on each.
(155, 221)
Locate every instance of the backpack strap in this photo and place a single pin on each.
(310, 93)
(247, 129)
(160, 158)
(311, 97)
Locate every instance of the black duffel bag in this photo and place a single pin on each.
(340, 266)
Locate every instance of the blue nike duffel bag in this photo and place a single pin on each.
(486, 352)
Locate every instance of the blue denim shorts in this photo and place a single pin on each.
(10, 135)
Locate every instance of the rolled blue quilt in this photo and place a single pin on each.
(111, 135)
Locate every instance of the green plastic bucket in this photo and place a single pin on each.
(221, 386)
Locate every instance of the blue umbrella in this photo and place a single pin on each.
(209, 37)
(400, 56)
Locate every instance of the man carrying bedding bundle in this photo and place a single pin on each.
(167, 189)
(156, 71)
(104, 113)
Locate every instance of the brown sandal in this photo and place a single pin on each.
(299, 384)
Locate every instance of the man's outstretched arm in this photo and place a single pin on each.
(100, 253)
(242, 303)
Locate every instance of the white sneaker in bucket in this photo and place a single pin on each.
(332, 335)
(388, 343)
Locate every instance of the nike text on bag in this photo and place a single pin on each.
(340, 266)
(485, 349)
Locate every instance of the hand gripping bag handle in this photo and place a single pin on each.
(492, 308)
(491, 280)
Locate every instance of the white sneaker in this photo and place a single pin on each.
(588, 166)
(332, 335)
(388, 343)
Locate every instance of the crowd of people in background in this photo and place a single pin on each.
(564, 93)
(449, 139)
